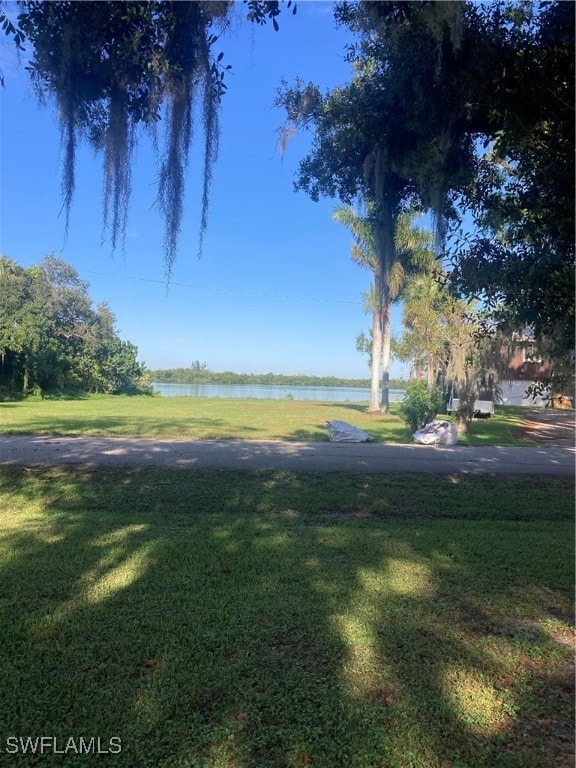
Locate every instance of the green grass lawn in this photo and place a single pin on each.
(194, 418)
(272, 619)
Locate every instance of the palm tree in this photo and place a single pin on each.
(412, 250)
(445, 335)
(364, 254)
(427, 308)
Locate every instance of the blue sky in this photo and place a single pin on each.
(275, 289)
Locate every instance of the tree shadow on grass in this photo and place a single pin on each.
(212, 619)
(314, 435)
(358, 407)
(111, 426)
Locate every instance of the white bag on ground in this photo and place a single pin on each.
(437, 433)
(342, 432)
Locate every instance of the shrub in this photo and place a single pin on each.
(421, 404)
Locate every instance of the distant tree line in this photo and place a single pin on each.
(199, 373)
(53, 341)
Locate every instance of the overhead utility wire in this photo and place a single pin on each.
(223, 290)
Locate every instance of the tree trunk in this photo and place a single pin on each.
(386, 349)
(462, 421)
(374, 406)
(26, 381)
(384, 237)
(431, 373)
(467, 397)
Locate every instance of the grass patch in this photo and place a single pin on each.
(191, 418)
(269, 619)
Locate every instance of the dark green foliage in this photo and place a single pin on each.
(421, 404)
(433, 81)
(51, 339)
(520, 255)
(260, 10)
(390, 134)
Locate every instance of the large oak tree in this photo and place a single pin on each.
(433, 83)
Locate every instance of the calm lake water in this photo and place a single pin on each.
(272, 392)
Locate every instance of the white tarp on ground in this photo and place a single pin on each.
(342, 432)
(437, 433)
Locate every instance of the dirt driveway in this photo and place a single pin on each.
(548, 426)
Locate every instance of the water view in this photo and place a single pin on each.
(272, 392)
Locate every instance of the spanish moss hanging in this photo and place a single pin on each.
(115, 67)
